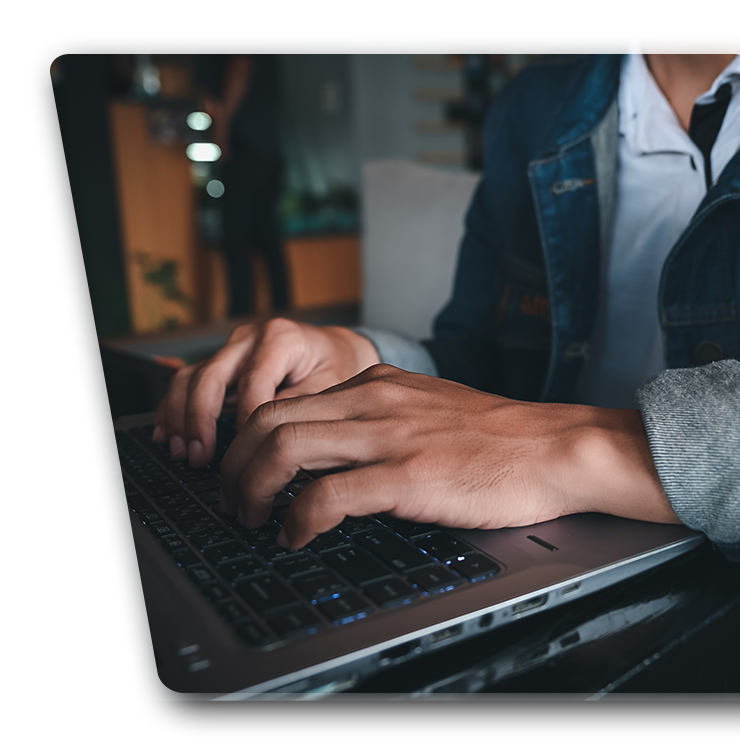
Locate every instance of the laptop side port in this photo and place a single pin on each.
(445, 635)
(570, 588)
(399, 652)
(527, 606)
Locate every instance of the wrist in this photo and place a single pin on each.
(357, 351)
(613, 470)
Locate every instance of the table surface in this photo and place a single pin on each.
(668, 634)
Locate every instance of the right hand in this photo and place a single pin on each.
(265, 361)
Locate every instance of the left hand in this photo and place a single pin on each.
(431, 450)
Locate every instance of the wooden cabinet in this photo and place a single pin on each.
(171, 279)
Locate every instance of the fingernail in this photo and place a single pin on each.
(195, 451)
(177, 448)
(158, 435)
(282, 539)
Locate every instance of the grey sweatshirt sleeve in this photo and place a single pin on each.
(401, 352)
(692, 418)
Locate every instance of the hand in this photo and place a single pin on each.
(431, 450)
(276, 359)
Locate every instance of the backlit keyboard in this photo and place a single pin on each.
(267, 593)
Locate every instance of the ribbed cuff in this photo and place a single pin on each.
(399, 351)
(692, 419)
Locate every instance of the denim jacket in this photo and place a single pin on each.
(532, 264)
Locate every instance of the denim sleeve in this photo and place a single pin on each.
(401, 352)
(692, 418)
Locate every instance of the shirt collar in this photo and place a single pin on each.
(646, 120)
(731, 74)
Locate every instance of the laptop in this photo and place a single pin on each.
(235, 616)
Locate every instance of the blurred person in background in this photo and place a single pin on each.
(242, 97)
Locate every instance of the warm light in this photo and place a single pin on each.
(215, 188)
(203, 152)
(199, 121)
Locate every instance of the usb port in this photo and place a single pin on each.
(528, 605)
(445, 634)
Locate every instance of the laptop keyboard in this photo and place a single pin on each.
(267, 593)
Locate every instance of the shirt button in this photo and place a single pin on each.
(707, 351)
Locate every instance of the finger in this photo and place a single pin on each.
(320, 446)
(280, 356)
(269, 416)
(174, 411)
(205, 398)
(307, 445)
(324, 503)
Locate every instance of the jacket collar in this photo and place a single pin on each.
(587, 100)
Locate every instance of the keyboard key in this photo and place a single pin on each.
(211, 537)
(216, 593)
(265, 593)
(161, 531)
(252, 634)
(476, 566)
(319, 585)
(405, 528)
(271, 551)
(196, 524)
(328, 541)
(355, 565)
(233, 613)
(444, 546)
(201, 486)
(345, 608)
(264, 535)
(391, 592)
(353, 525)
(176, 513)
(392, 550)
(433, 578)
(174, 545)
(296, 564)
(239, 570)
(224, 553)
(151, 518)
(172, 499)
(294, 620)
(201, 576)
(186, 558)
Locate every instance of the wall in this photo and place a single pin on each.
(394, 102)
(345, 109)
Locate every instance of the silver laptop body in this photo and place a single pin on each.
(541, 567)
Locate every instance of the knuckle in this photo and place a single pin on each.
(264, 418)
(379, 371)
(277, 327)
(240, 333)
(278, 324)
(328, 493)
(385, 385)
(284, 439)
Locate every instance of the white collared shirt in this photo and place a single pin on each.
(660, 184)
